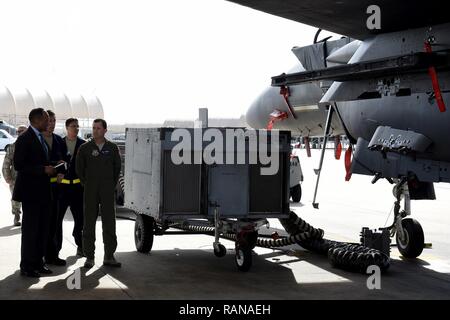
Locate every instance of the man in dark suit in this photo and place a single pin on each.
(57, 151)
(32, 188)
(71, 190)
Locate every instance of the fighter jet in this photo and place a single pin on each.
(385, 85)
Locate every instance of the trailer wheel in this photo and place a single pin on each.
(143, 233)
(296, 193)
(251, 238)
(221, 251)
(243, 259)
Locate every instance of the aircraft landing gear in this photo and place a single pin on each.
(412, 243)
(407, 231)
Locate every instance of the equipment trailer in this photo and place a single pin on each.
(230, 199)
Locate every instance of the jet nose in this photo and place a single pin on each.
(258, 114)
(253, 115)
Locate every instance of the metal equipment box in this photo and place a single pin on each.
(168, 191)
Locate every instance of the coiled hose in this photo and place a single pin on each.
(260, 242)
(347, 256)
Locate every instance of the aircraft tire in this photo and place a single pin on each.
(413, 245)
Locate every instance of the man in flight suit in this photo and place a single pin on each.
(70, 188)
(98, 166)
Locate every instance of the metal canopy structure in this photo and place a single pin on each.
(16, 103)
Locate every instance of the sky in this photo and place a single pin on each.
(147, 60)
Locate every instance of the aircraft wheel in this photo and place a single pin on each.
(143, 233)
(220, 251)
(243, 259)
(412, 245)
(296, 193)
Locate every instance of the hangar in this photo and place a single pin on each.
(16, 103)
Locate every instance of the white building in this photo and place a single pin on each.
(16, 104)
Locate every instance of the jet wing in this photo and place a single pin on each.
(349, 17)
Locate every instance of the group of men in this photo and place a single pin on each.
(48, 174)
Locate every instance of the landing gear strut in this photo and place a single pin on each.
(407, 231)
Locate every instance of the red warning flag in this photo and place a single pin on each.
(337, 147)
(348, 163)
(435, 82)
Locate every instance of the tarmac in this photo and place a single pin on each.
(184, 267)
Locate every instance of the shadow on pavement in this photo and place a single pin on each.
(198, 274)
(10, 231)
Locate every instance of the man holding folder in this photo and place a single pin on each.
(32, 188)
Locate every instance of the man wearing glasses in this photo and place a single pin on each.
(10, 176)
